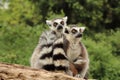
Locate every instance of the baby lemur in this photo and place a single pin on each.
(41, 57)
(69, 50)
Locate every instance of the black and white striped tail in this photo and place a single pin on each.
(45, 58)
(60, 60)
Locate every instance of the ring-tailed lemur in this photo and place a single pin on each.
(69, 50)
(40, 57)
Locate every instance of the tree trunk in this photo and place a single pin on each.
(18, 72)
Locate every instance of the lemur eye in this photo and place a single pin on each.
(55, 24)
(62, 22)
(74, 31)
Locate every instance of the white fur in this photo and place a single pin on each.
(45, 50)
(45, 61)
(59, 41)
(61, 63)
(35, 56)
(40, 62)
(58, 50)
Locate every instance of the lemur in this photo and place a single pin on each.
(40, 57)
(69, 50)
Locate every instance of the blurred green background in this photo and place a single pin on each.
(22, 22)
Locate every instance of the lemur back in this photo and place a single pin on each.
(69, 50)
(41, 56)
(45, 42)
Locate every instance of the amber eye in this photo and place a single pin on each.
(55, 24)
(62, 22)
(74, 31)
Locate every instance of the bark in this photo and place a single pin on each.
(19, 72)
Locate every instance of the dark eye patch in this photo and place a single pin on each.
(74, 31)
(62, 22)
(55, 24)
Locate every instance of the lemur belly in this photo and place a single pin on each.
(73, 52)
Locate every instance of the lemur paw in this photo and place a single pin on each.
(69, 72)
(80, 62)
(78, 75)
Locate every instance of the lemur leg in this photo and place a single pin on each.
(73, 69)
(82, 67)
(82, 63)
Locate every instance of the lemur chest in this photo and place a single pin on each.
(73, 51)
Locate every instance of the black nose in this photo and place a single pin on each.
(59, 27)
(79, 35)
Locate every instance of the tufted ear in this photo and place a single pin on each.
(65, 19)
(49, 22)
(82, 29)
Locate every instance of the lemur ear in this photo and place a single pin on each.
(82, 29)
(65, 19)
(49, 22)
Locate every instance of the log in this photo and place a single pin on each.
(19, 72)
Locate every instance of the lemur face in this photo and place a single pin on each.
(57, 24)
(77, 31)
(74, 31)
